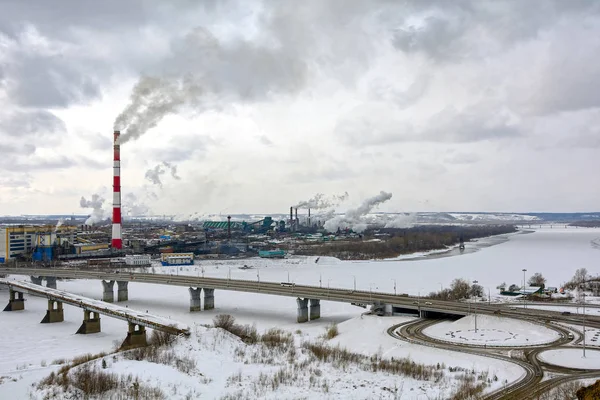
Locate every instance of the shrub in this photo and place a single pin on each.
(332, 331)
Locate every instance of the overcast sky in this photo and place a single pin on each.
(257, 105)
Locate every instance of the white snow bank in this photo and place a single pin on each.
(572, 358)
(368, 335)
(491, 331)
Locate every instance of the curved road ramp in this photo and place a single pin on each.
(137, 321)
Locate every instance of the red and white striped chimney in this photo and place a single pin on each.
(117, 241)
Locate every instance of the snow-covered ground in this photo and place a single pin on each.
(491, 331)
(352, 334)
(27, 345)
(572, 358)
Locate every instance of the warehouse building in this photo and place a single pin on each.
(39, 241)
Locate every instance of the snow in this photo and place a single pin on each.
(352, 334)
(491, 331)
(27, 344)
(572, 358)
(575, 309)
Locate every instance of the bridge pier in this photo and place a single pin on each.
(302, 310)
(109, 294)
(51, 282)
(195, 302)
(54, 313)
(315, 309)
(16, 301)
(136, 336)
(209, 299)
(36, 280)
(122, 292)
(91, 322)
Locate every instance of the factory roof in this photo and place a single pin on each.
(221, 225)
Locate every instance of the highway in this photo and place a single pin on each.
(312, 292)
(100, 307)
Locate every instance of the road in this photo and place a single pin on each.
(528, 387)
(101, 307)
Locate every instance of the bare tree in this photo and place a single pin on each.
(460, 288)
(537, 280)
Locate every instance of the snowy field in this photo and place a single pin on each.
(491, 331)
(572, 358)
(29, 348)
(594, 311)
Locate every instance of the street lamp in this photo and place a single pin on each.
(475, 282)
(328, 280)
(584, 325)
(524, 294)
(354, 276)
(320, 280)
(288, 276)
(394, 286)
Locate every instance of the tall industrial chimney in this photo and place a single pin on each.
(117, 241)
(297, 222)
(308, 222)
(291, 218)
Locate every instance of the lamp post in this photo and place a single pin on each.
(584, 325)
(475, 282)
(524, 294)
(320, 280)
(328, 280)
(354, 276)
(394, 286)
(288, 276)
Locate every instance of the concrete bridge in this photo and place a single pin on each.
(137, 321)
(307, 297)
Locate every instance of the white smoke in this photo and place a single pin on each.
(58, 224)
(355, 219)
(321, 202)
(95, 203)
(153, 175)
(405, 220)
(201, 71)
(134, 207)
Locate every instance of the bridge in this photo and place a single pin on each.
(307, 297)
(92, 309)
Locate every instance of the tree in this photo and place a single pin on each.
(476, 291)
(501, 286)
(460, 289)
(513, 288)
(580, 276)
(537, 280)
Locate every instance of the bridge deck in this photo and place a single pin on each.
(100, 307)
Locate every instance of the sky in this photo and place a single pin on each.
(253, 106)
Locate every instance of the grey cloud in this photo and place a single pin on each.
(462, 158)
(30, 123)
(378, 125)
(265, 140)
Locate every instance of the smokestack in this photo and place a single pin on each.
(291, 218)
(117, 241)
(308, 218)
(297, 222)
(229, 227)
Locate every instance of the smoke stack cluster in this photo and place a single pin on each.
(117, 241)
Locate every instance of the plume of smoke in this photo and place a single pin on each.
(58, 224)
(405, 220)
(355, 218)
(153, 175)
(320, 201)
(95, 203)
(134, 207)
(201, 70)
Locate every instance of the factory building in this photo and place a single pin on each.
(137, 259)
(39, 241)
(168, 259)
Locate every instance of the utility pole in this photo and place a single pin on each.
(354, 282)
(394, 286)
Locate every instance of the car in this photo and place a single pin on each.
(289, 284)
(570, 336)
(566, 313)
(427, 303)
(415, 302)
